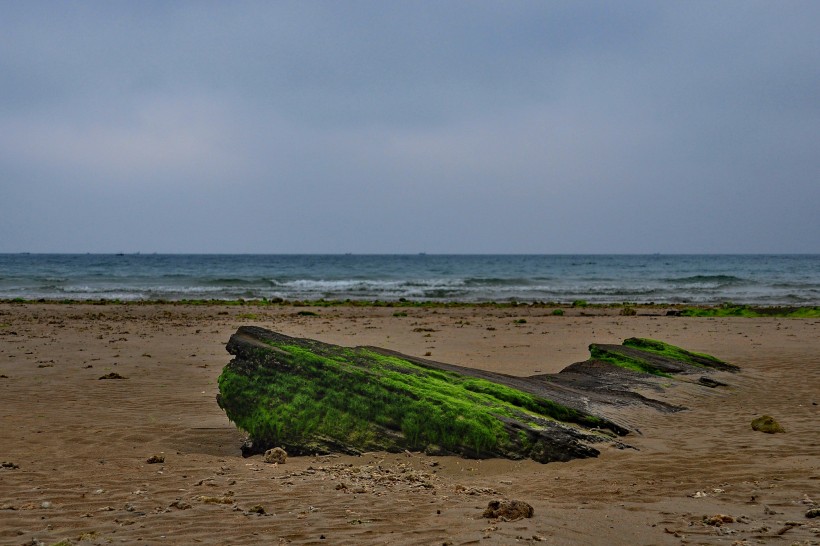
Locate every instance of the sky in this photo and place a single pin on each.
(414, 126)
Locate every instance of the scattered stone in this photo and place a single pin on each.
(179, 505)
(813, 513)
(787, 526)
(9, 465)
(155, 459)
(718, 519)
(257, 509)
(475, 490)
(112, 375)
(508, 510)
(215, 500)
(276, 455)
(767, 424)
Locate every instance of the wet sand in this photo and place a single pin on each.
(81, 443)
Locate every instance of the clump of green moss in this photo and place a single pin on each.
(622, 360)
(671, 351)
(558, 312)
(630, 360)
(329, 395)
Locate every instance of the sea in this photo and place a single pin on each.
(792, 280)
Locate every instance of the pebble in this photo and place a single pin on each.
(508, 510)
(276, 455)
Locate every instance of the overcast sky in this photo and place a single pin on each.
(392, 127)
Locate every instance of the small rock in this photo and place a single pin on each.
(9, 465)
(813, 513)
(179, 505)
(112, 375)
(718, 519)
(767, 424)
(276, 455)
(508, 510)
(155, 459)
(227, 499)
(257, 509)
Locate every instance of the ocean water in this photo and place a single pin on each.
(707, 279)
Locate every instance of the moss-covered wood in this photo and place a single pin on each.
(313, 397)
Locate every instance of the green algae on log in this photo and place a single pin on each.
(312, 397)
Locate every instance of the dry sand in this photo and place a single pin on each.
(82, 443)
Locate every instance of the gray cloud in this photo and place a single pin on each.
(402, 127)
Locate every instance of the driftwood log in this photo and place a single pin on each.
(312, 397)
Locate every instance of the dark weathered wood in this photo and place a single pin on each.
(309, 397)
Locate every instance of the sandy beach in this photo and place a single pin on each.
(75, 447)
